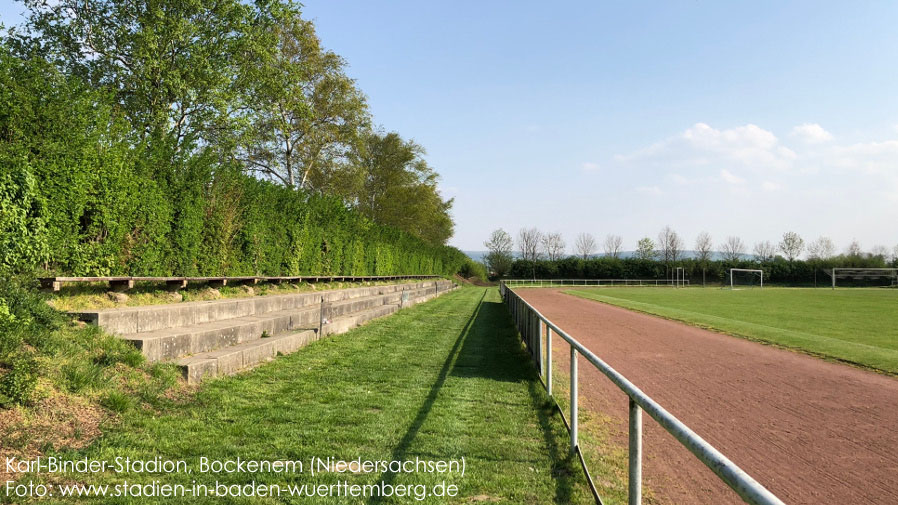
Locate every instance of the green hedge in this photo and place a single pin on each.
(778, 270)
(79, 195)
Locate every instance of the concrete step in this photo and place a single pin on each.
(234, 358)
(231, 360)
(131, 320)
(348, 322)
(171, 343)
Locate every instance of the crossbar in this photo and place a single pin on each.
(750, 490)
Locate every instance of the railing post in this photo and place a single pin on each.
(573, 399)
(539, 345)
(549, 360)
(635, 486)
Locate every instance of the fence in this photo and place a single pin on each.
(532, 326)
(548, 283)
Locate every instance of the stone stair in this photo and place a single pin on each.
(221, 337)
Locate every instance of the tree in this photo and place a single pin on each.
(733, 248)
(703, 246)
(529, 240)
(500, 246)
(613, 246)
(670, 245)
(553, 246)
(645, 249)
(301, 114)
(585, 245)
(880, 251)
(399, 188)
(791, 245)
(821, 249)
(854, 249)
(171, 64)
(764, 251)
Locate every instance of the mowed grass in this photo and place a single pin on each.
(859, 326)
(439, 381)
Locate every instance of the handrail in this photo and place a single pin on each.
(597, 282)
(743, 484)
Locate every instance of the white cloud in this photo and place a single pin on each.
(870, 157)
(731, 178)
(589, 166)
(770, 186)
(649, 190)
(703, 145)
(811, 133)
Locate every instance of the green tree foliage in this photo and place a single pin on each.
(398, 188)
(645, 249)
(169, 63)
(300, 113)
(778, 270)
(105, 206)
(127, 130)
(500, 256)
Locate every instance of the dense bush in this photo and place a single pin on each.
(779, 270)
(79, 197)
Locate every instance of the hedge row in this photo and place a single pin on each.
(778, 270)
(80, 196)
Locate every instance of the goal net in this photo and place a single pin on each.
(741, 278)
(864, 277)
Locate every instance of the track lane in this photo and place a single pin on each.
(811, 431)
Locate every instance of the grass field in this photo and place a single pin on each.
(859, 326)
(443, 380)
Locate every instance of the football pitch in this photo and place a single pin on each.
(858, 326)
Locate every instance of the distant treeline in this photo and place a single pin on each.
(777, 270)
(185, 138)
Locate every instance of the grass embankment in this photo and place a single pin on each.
(858, 326)
(439, 381)
(60, 381)
(96, 295)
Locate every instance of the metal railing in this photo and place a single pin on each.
(532, 326)
(550, 283)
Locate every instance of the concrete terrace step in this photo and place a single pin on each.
(170, 343)
(209, 339)
(124, 321)
(346, 323)
(231, 360)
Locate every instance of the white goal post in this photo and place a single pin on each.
(865, 273)
(749, 270)
(680, 280)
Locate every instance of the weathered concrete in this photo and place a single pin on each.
(222, 337)
(125, 321)
(233, 359)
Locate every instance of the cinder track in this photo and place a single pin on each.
(811, 431)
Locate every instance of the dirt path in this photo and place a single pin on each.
(811, 431)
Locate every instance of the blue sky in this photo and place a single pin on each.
(748, 118)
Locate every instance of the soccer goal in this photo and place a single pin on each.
(680, 278)
(746, 277)
(865, 277)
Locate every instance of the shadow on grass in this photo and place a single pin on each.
(488, 348)
(401, 450)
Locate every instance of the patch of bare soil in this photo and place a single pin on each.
(58, 421)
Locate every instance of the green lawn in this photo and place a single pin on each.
(439, 381)
(854, 325)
